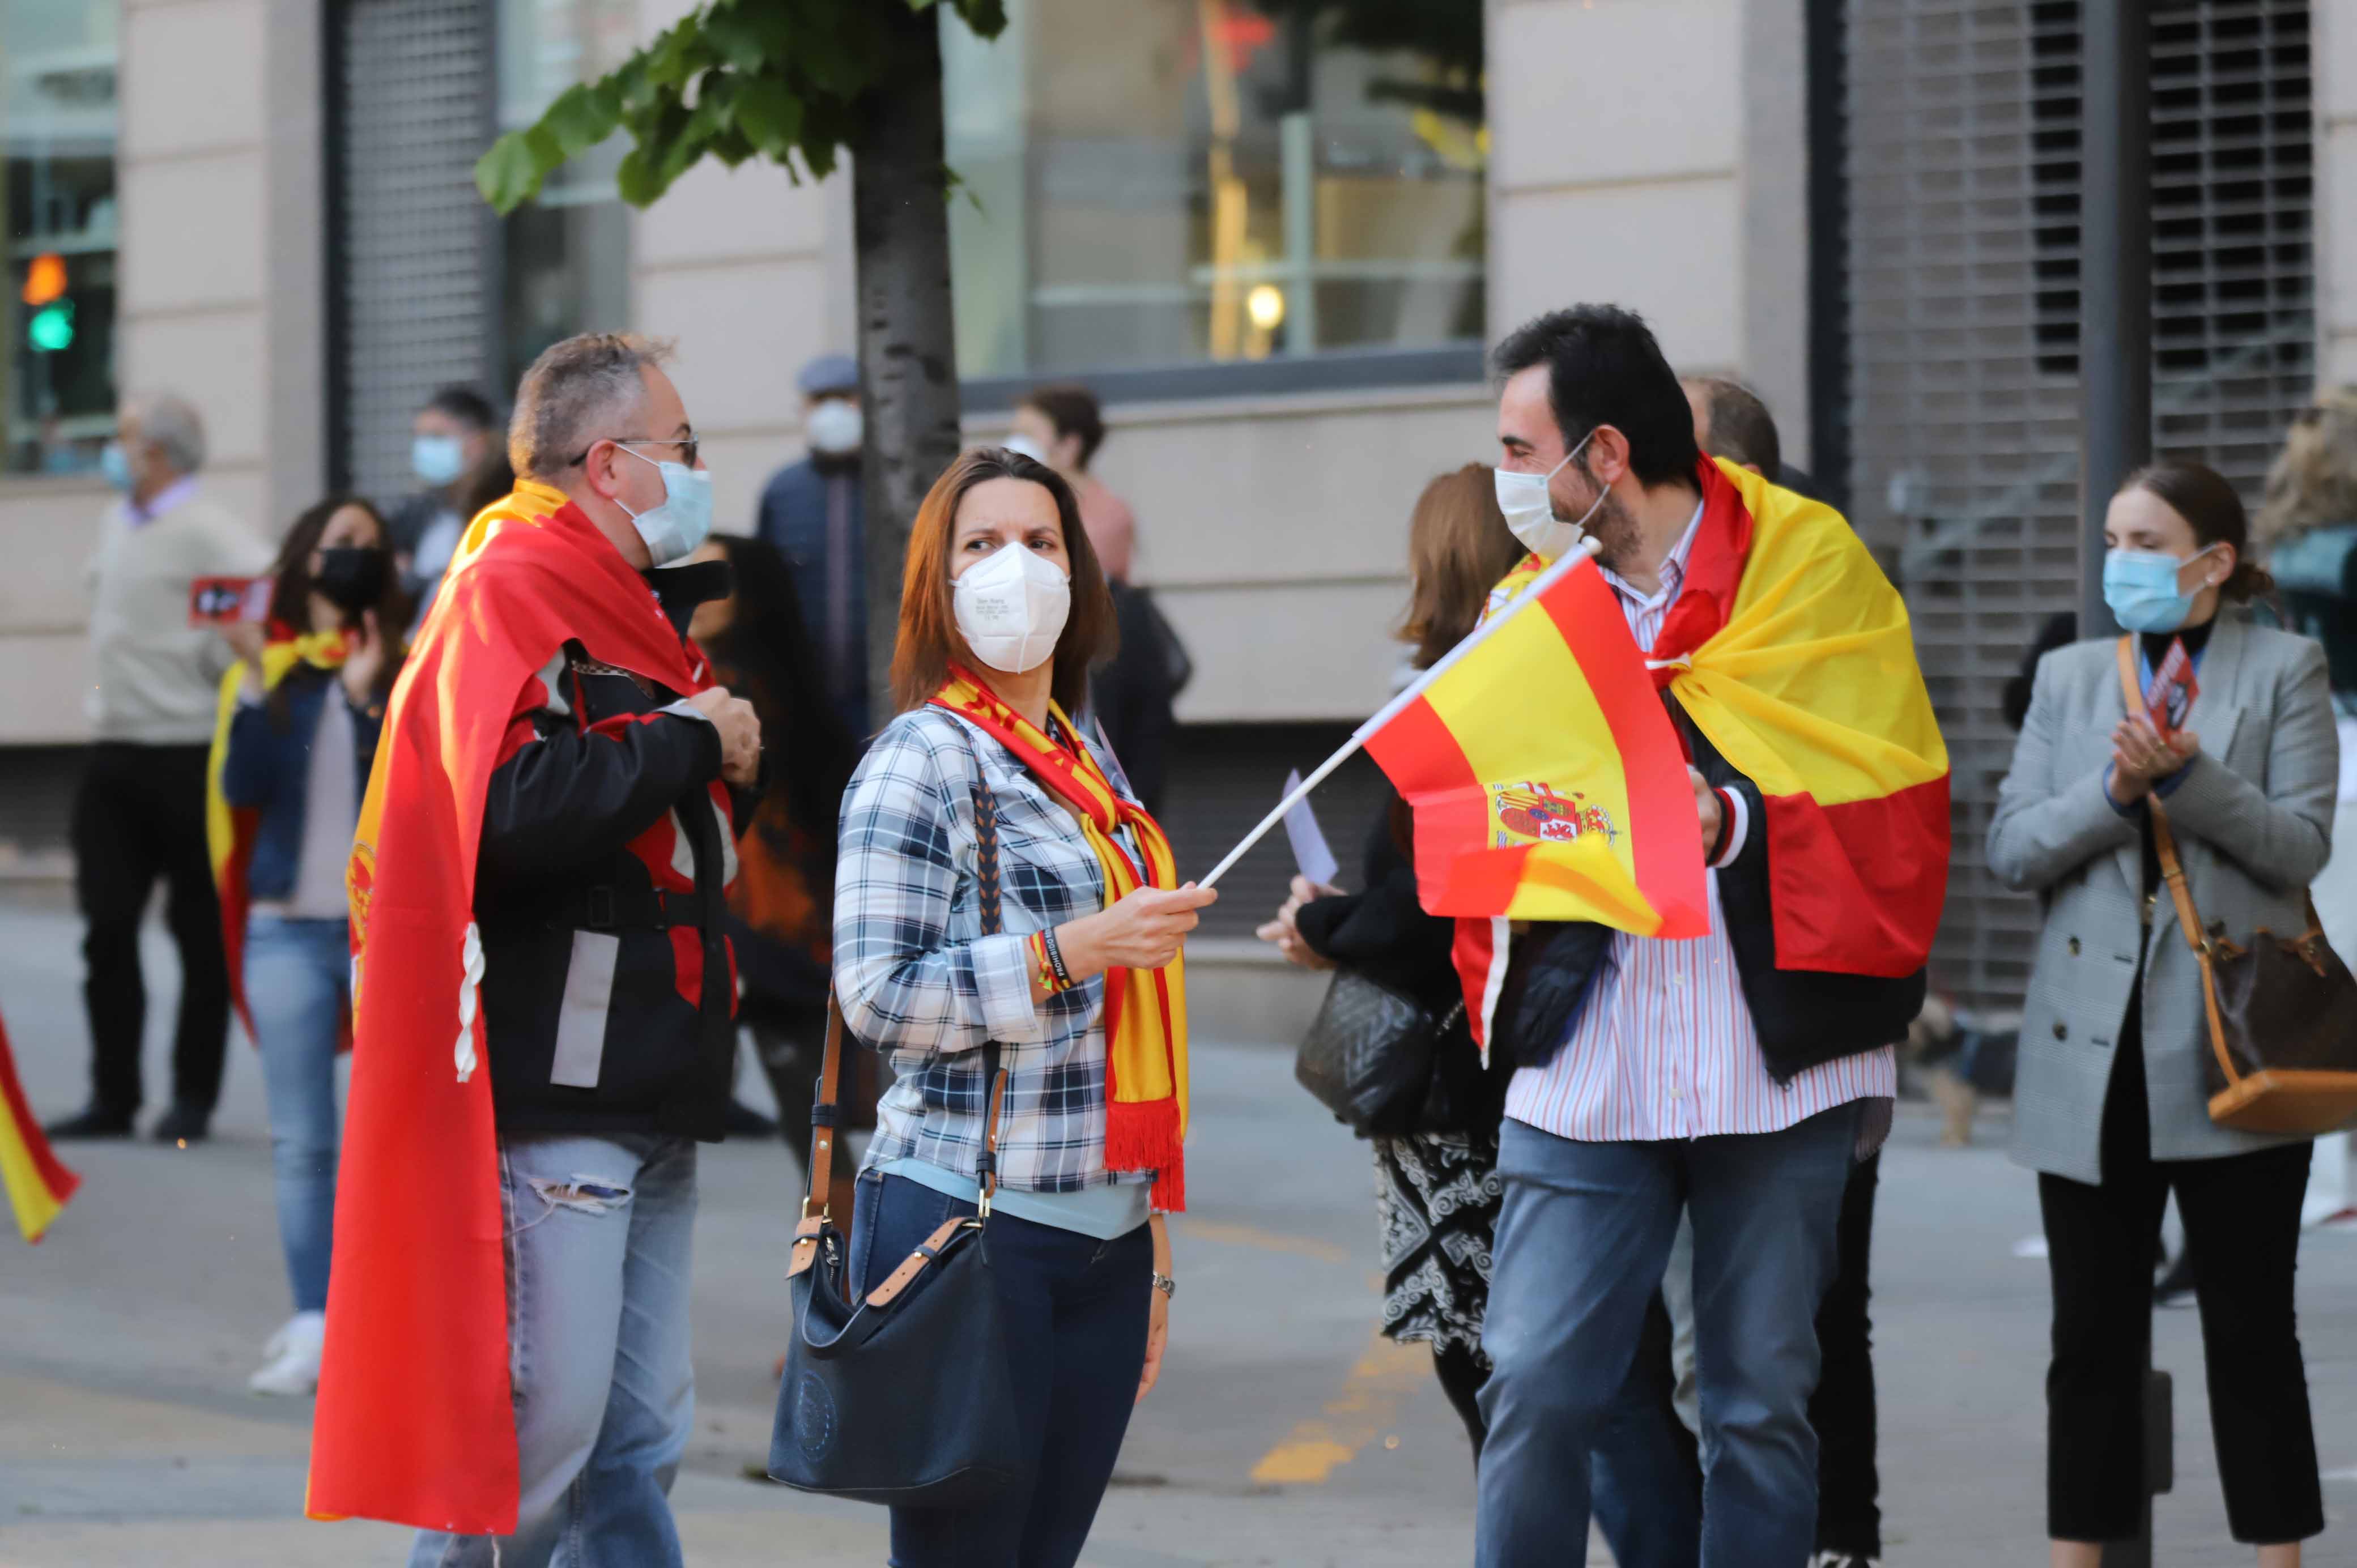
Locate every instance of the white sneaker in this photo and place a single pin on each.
(294, 1368)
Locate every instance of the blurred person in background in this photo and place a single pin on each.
(782, 909)
(1436, 1186)
(1130, 697)
(140, 812)
(300, 714)
(2307, 526)
(2111, 1105)
(811, 514)
(1732, 422)
(451, 439)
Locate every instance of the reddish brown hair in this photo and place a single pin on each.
(1458, 547)
(929, 641)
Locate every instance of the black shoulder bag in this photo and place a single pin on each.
(903, 1397)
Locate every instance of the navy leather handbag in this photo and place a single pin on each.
(901, 1396)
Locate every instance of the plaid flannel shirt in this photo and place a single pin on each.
(919, 981)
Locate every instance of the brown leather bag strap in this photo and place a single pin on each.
(820, 1181)
(2172, 871)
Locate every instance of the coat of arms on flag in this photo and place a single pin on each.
(1531, 812)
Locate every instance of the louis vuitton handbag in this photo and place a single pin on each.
(2282, 1010)
(903, 1395)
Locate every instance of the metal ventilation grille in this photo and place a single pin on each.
(412, 259)
(1963, 255)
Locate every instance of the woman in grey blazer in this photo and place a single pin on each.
(2111, 1107)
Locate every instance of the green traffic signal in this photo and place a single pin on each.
(52, 327)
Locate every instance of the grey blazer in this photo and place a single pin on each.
(2254, 821)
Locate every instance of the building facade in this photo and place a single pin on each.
(1274, 235)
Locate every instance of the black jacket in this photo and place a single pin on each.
(607, 987)
(1132, 695)
(1805, 1017)
(1383, 932)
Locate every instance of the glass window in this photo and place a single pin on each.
(57, 68)
(568, 255)
(1165, 182)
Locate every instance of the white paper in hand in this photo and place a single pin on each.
(1310, 848)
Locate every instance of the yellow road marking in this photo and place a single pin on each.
(1263, 1241)
(1367, 1409)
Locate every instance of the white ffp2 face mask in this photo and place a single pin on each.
(1011, 607)
(1529, 509)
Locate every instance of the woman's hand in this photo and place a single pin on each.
(2140, 758)
(1158, 1319)
(363, 660)
(1144, 930)
(1286, 934)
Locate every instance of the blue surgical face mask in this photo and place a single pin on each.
(674, 529)
(437, 459)
(115, 464)
(2140, 587)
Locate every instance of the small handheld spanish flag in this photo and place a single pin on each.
(37, 1185)
(1547, 781)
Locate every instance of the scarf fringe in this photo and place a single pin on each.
(1143, 1135)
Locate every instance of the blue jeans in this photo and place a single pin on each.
(1076, 1316)
(598, 1333)
(298, 988)
(1582, 1241)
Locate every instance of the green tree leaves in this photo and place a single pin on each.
(735, 79)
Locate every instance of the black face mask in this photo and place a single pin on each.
(351, 579)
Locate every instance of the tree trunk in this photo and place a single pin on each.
(908, 346)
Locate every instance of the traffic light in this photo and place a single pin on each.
(52, 327)
(44, 279)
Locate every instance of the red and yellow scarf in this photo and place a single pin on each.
(1145, 1010)
(230, 830)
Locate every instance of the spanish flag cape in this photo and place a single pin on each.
(230, 830)
(415, 1420)
(1145, 1010)
(1792, 653)
(37, 1183)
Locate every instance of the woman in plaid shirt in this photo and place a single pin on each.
(1004, 609)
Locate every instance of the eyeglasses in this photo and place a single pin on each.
(689, 446)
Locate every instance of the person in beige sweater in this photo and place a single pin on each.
(140, 812)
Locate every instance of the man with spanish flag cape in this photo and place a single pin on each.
(1729, 1068)
(542, 999)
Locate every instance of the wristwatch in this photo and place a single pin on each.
(1166, 1285)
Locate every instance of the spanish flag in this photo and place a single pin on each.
(1548, 784)
(1547, 780)
(37, 1185)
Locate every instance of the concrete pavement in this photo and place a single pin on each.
(1285, 1431)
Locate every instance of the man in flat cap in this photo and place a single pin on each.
(811, 513)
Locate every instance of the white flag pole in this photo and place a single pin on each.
(1392, 709)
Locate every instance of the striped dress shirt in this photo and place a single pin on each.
(1664, 1047)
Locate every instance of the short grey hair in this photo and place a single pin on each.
(171, 424)
(574, 394)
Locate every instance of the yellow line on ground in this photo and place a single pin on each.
(1263, 1241)
(1367, 1409)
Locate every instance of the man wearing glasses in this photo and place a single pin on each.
(540, 875)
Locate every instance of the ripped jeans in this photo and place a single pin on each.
(597, 1311)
